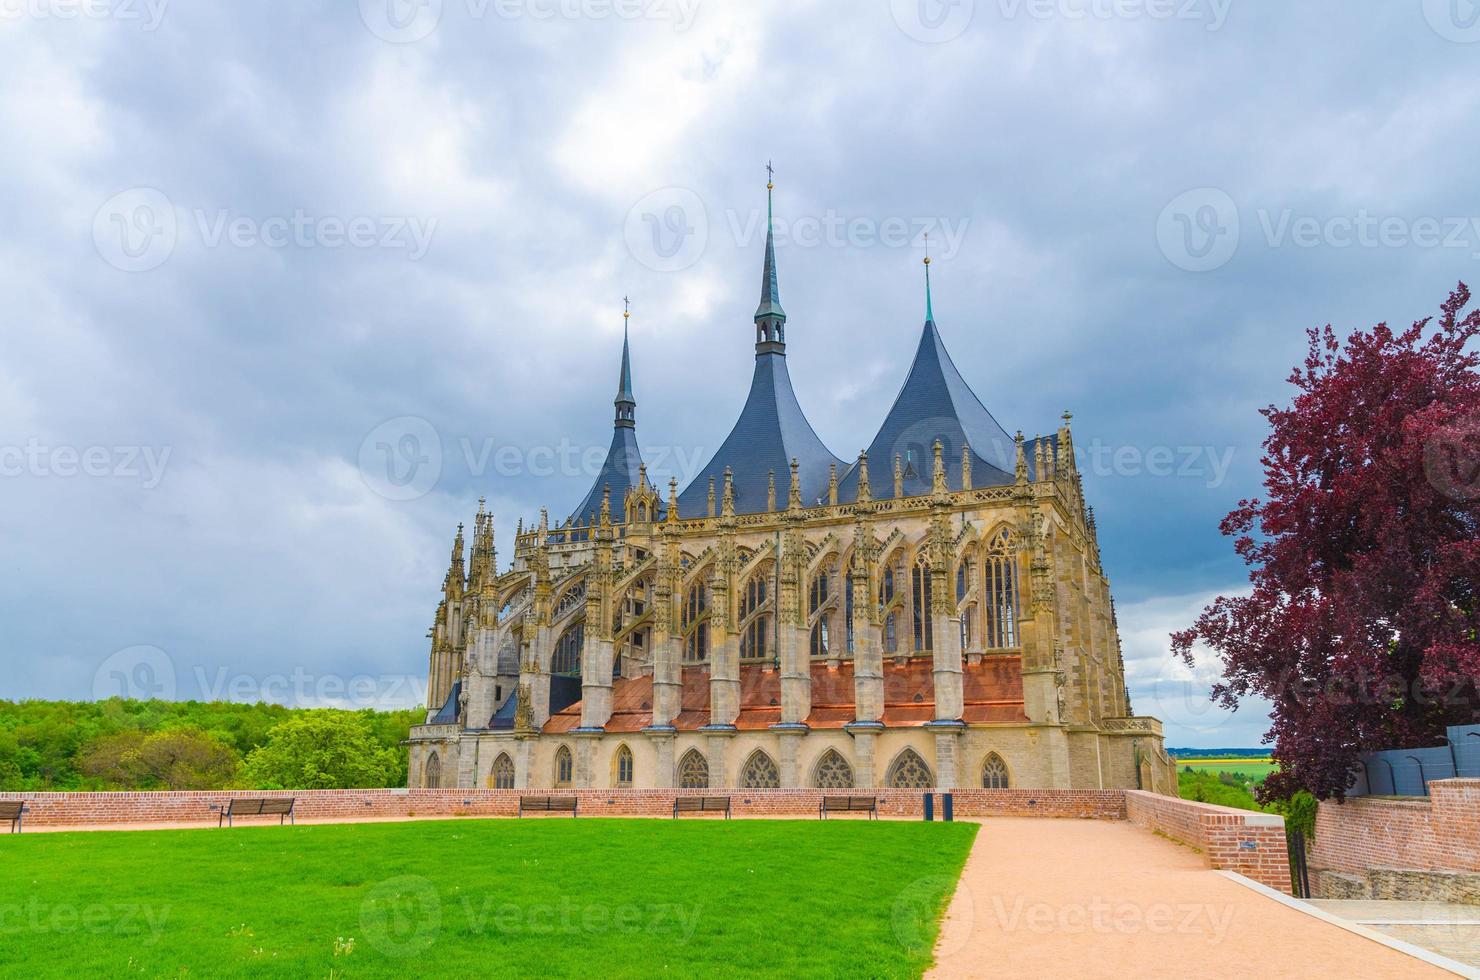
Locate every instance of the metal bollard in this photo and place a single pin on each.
(929, 807)
(947, 811)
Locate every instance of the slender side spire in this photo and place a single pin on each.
(625, 402)
(770, 318)
(929, 311)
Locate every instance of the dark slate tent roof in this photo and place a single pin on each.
(935, 403)
(771, 431)
(623, 459)
(447, 714)
(619, 472)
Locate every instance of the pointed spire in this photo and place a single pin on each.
(832, 483)
(606, 506)
(965, 466)
(625, 402)
(1020, 473)
(898, 476)
(929, 311)
(794, 494)
(864, 493)
(771, 492)
(938, 470)
(672, 498)
(770, 318)
(729, 499)
(711, 497)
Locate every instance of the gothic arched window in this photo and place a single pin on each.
(891, 635)
(909, 771)
(760, 772)
(819, 638)
(567, 659)
(502, 776)
(623, 766)
(848, 609)
(433, 776)
(563, 767)
(694, 623)
(994, 772)
(833, 771)
(920, 600)
(755, 620)
(1000, 593)
(693, 771)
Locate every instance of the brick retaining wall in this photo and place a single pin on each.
(81, 809)
(1251, 843)
(1418, 849)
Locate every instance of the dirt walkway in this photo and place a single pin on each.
(1089, 898)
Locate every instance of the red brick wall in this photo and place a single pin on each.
(1441, 833)
(1253, 844)
(76, 809)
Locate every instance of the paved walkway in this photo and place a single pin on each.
(1090, 898)
(1449, 929)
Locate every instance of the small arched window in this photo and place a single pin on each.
(994, 772)
(694, 623)
(502, 776)
(833, 771)
(909, 771)
(433, 776)
(624, 767)
(760, 772)
(563, 767)
(819, 638)
(693, 771)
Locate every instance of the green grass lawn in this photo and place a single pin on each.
(547, 897)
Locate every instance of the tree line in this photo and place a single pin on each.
(198, 745)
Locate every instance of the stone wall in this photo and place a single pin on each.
(87, 809)
(1245, 841)
(1418, 849)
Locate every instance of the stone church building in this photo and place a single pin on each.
(933, 613)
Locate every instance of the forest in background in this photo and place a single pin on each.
(149, 745)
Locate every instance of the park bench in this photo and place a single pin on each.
(278, 806)
(15, 811)
(701, 804)
(849, 804)
(547, 804)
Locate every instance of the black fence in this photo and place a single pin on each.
(1299, 872)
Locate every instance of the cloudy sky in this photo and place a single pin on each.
(288, 285)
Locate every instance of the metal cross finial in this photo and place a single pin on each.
(625, 312)
(770, 172)
(927, 248)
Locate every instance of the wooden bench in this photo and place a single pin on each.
(701, 804)
(547, 804)
(849, 804)
(278, 806)
(15, 811)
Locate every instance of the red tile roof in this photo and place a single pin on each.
(993, 691)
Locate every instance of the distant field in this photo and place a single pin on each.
(1255, 769)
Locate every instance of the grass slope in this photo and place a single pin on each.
(1254, 769)
(546, 897)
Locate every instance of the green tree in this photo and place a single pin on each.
(322, 750)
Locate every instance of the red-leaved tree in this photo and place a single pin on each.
(1364, 554)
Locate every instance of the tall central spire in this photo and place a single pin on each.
(625, 402)
(770, 318)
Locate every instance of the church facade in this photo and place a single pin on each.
(933, 613)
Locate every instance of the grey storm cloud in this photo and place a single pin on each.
(256, 259)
